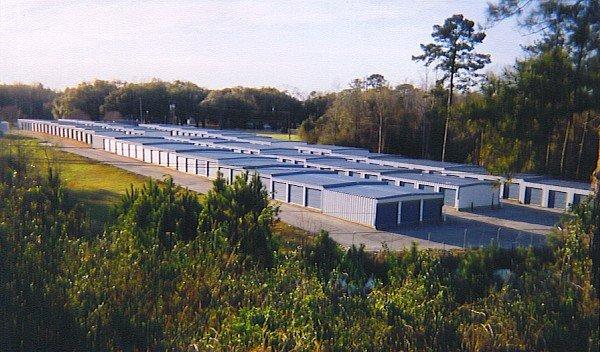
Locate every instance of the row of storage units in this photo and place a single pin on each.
(73, 131)
(363, 201)
(469, 185)
(551, 193)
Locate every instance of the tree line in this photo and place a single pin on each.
(539, 115)
(176, 272)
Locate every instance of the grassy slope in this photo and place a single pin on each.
(98, 186)
(281, 136)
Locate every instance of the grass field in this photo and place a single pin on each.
(281, 136)
(98, 186)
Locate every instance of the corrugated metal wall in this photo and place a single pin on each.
(314, 198)
(432, 210)
(557, 199)
(279, 191)
(297, 194)
(533, 195)
(410, 212)
(349, 207)
(386, 216)
(449, 196)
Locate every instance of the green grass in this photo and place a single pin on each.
(282, 136)
(98, 186)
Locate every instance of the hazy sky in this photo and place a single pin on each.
(296, 45)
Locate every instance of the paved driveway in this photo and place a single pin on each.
(511, 225)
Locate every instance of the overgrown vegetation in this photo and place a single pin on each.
(174, 272)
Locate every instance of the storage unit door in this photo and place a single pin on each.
(410, 211)
(226, 172)
(432, 210)
(164, 158)
(314, 198)
(449, 196)
(139, 151)
(237, 173)
(511, 190)
(213, 170)
(125, 147)
(577, 198)
(427, 188)
(297, 194)
(407, 184)
(386, 216)
(202, 167)
(557, 200)
(191, 166)
(156, 157)
(173, 161)
(106, 144)
(147, 155)
(181, 164)
(132, 151)
(279, 191)
(533, 195)
(266, 182)
(113, 146)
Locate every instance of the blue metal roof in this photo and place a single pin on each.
(252, 162)
(326, 147)
(381, 191)
(213, 154)
(270, 171)
(174, 146)
(323, 179)
(563, 183)
(437, 178)
(350, 165)
(141, 139)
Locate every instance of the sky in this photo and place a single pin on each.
(299, 46)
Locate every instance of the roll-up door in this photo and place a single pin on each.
(432, 210)
(369, 176)
(297, 194)
(156, 157)
(181, 163)
(407, 184)
(577, 198)
(314, 198)
(125, 147)
(164, 158)
(113, 146)
(410, 211)
(427, 188)
(105, 144)
(511, 190)
(266, 182)
(226, 174)
(237, 173)
(173, 161)
(132, 151)
(202, 167)
(279, 191)
(139, 151)
(557, 200)
(533, 195)
(147, 155)
(191, 166)
(119, 148)
(449, 196)
(386, 216)
(213, 170)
